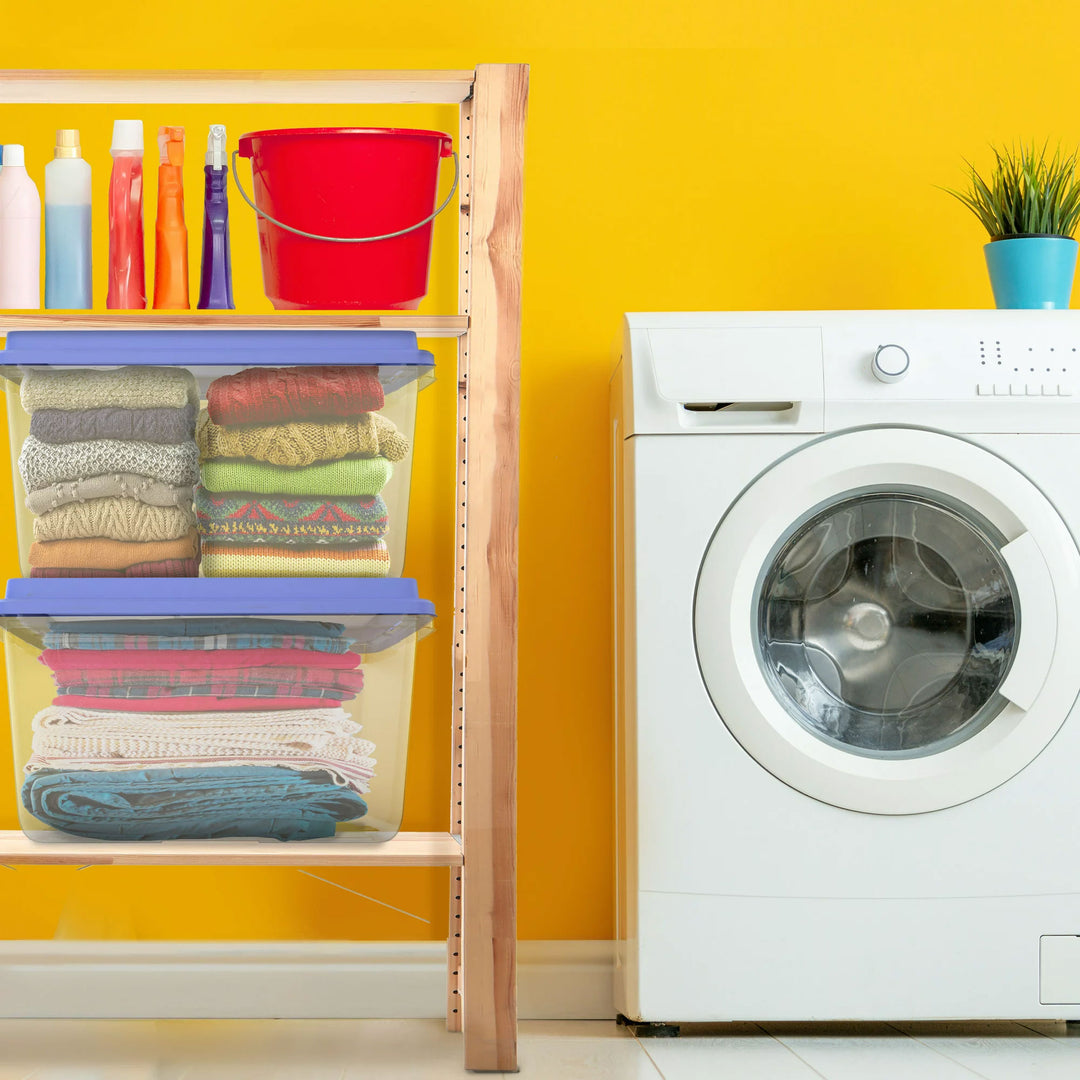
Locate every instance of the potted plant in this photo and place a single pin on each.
(1030, 206)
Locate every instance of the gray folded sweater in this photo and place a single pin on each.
(161, 425)
(42, 464)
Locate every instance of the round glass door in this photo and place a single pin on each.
(886, 624)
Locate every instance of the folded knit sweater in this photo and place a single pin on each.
(303, 442)
(349, 476)
(126, 388)
(159, 568)
(126, 485)
(144, 425)
(118, 519)
(265, 560)
(42, 464)
(111, 554)
(245, 518)
(264, 395)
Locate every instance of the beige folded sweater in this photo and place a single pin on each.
(116, 519)
(125, 485)
(125, 387)
(99, 554)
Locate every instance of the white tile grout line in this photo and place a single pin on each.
(794, 1053)
(940, 1053)
(645, 1050)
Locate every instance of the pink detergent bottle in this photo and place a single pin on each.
(127, 267)
(20, 233)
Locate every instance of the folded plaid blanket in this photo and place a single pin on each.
(157, 568)
(251, 519)
(191, 803)
(127, 387)
(308, 740)
(147, 660)
(265, 395)
(214, 691)
(43, 464)
(140, 425)
(350, 476)
(209, 703)
(367, 559)
(304, 442)
(199, 626)
(116, 681)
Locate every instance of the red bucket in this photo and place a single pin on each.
(345, 214)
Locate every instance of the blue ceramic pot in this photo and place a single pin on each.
(1031, 271)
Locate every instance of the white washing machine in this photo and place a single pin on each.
(848, 640)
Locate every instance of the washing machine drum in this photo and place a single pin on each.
(877, 623)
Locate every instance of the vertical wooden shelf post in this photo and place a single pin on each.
(493, 137)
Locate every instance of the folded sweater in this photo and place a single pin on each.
(111, 554)
(349, 476)
(264, 395)
(125, 485)
(117, 519)
(156, 568)
(42, 464)
(103, 739)
(127, 388)
(304, 442)
(265, 560)
(243, 518)
(143, 425)
(191, 803)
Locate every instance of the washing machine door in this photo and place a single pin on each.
(889, 620)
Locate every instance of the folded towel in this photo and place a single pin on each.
(111, 554)
(353, 477)
(169, 643)
(126, 388)
(262, 560)
(199, 626)
(263, 395)
(115, 518)
(245, 518)
(158, 568)
(93, 659)
(191, 803)
(125, 485)
(104, 739)
(203, 703)
(143, 425)
(42, 464)
(124, 682)
(304, 442)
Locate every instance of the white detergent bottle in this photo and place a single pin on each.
(20, 233)
(67, 226)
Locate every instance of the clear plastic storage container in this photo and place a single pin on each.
(196, 709)
(234, 453)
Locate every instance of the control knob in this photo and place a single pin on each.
(890, 363)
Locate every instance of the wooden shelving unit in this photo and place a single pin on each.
(479, 844)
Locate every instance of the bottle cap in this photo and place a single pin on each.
(171, 145)
(14, 154)
(67, 143)
(215, 147)
(127, 135)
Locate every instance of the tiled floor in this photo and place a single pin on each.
(549, 1050)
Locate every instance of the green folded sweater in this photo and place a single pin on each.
(349, 476)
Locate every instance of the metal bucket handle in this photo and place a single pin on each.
(345, 239)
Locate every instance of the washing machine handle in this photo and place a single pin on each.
(1038, 621)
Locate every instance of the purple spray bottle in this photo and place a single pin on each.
(215, 289)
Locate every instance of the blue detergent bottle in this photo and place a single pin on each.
(68, 282)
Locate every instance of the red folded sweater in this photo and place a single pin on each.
(170, 659)
(192, 704)
(269, 395)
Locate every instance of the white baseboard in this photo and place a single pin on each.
(557, 980)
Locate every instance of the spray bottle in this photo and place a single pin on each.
(171, 251)
(215, 288)
(67, 226)
(127, 271)
(20, 233)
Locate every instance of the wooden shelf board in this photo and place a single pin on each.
(425, 326)
(406, 849)
(234, 87)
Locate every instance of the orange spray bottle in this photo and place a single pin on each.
(171, 247)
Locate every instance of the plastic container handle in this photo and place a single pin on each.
(345, 239)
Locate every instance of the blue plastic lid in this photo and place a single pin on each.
(317, 597)
(201, 348)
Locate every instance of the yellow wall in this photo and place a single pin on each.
(789, 160)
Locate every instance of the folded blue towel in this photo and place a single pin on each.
(191, 804)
